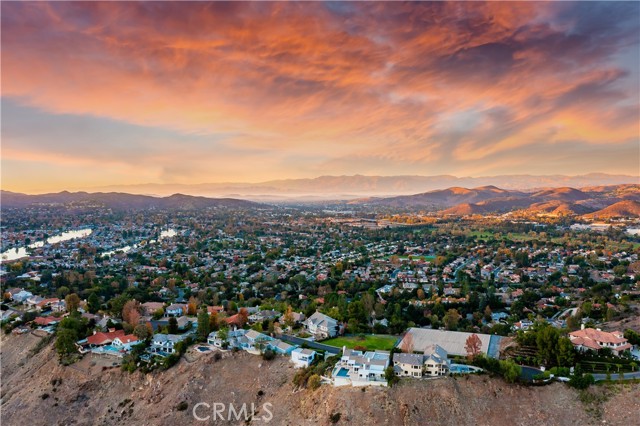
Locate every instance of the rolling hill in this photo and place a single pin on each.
(627, 208)
(119, 201)
(603, 201)
(360, 186)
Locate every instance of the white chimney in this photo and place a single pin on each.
(581, 326)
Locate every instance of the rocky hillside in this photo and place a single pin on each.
(602, 202)
(38, 391)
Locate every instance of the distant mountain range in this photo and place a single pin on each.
(593, 202)
(119, 201)
(357, 186)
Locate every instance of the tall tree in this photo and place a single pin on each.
(192, 306)
(173, 325)
(93, 303)
(243, 315)
(288, 317)
(72, 301)
(131, 312)
(213, 321)
(203, 324)
(566, 353)
(473, 345)
(66, 341)
(451, 319)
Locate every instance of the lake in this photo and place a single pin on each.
(20, 252)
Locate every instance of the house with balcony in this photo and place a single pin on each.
(302, 358)
(436, 361)
(233, 340)
(433, 362)
(125, 342)
(590, 339)
(164, 344)
(321, 326)
(408, 365)
(357, 368)
(175, 310)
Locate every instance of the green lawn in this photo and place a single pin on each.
(383, 342)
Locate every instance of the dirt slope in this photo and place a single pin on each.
(89, 395)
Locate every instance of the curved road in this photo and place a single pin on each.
(616, 376)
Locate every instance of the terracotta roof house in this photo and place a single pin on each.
(45, 321)
(596, 339)
(100, 338)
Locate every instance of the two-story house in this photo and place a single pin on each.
(321, 325)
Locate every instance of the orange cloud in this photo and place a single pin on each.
(428, 85)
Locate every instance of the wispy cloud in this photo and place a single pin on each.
(258, 90)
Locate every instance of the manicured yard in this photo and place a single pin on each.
(383, 342)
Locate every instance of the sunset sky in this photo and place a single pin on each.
(110, 93)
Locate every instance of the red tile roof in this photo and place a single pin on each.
(129, 338)
(105, 338)
(45, 320)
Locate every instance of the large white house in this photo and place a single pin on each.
(436, 361)
(321, 325)
(359, 368)
(433, 362)
(409, 365)
(164, 344)
(302, 358)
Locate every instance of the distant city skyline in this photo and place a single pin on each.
(116, 93)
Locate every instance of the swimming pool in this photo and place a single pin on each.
(463, 369)
(343, 372)
(108, 349)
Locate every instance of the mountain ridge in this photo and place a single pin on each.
(119, 200)
(358, 186)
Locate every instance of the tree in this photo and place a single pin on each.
(368, 303)
(510, 370)
(173, 325)
(547, 343)
(223, 334)
(451, 319)
(390, 376)
(314, 382)
(487, 313)
(289, 322)
(141, 331)
(573, 322)
(117, 303)
(213, 321)
(131, 313)
(243, 316)
(407, 343)
(72, 301)
(566, 353)
(473, 346)
(66, 341)
(192, 306)
(203, 324)
(93, 303)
